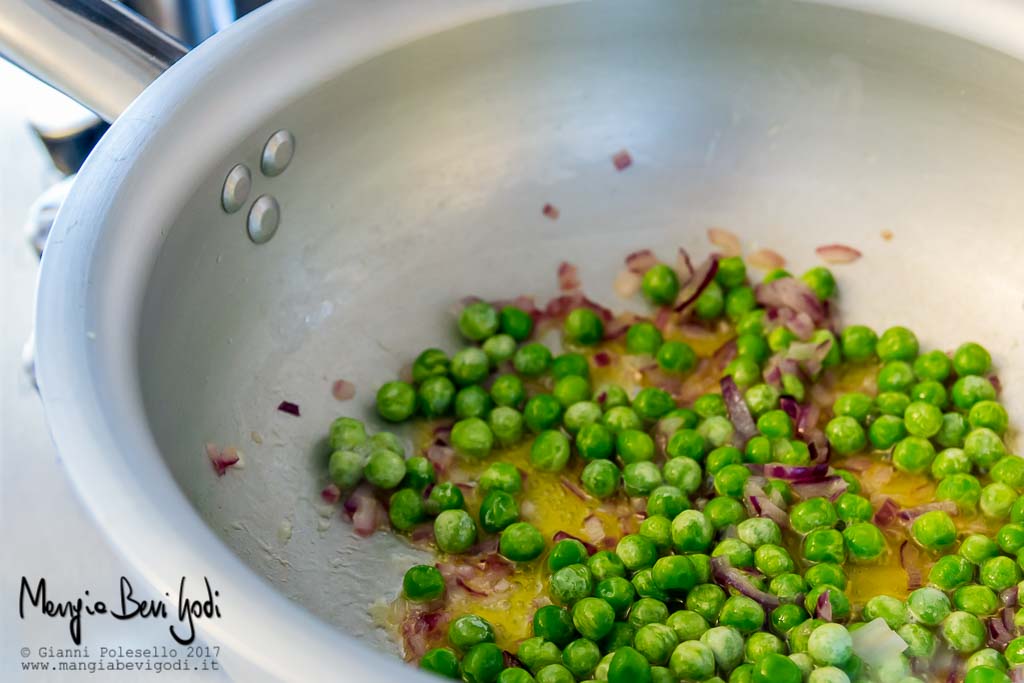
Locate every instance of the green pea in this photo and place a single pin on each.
(396, 401)
(636, 552)
(775, 424)
(724, 512)
(761, 644)
(482, 663)
(422, 583)
(570, 364)
(605, 564)
(780, 339)
(497, 511)
(643, 338)
(971, 359)
(833, 356)
(730, 480)
(583, 326)
(950, 572)
(629, 666)
(914, 454)
(824, 545)
(470, 366)
(542, 412)
(595, 442)
(550, 451)
(641, 478)
(858, 343)
(864, 542)
(1011, 538)
(978, 548)
(998, 574)
(1009, 470)
(621, 418)
(742, 613)
(813, 513)
(930, 392)
(821, 281)
(652, 403)
(406, 509)
(676, 357)
(928, 606)
(826, 573)
(532, 360)
(892, 403)
(692, 660)
(830, 645)
(761, 398)
(516, 323)
(444, 496)
(634, 446)
(891, 610)
(988, 414)
(688, 443)
(667, 501)
(691, 532)
(435, 396)
(385, 469)
(997, 500)
(790, 587)
(472, 401)
(454, 531)
(1015, 652)
(986, 674)
(521, 542)
(840, 603)
(658, 530)
(776, 668)
(726, 645)
(731, 273)
(786, 617)
(508, 390)
(933, 366)
(897, 343)
(643, 583)
(964, 633)
(655, 642)
(986, 657)
(772, 560)
(345, 468)
(852, 508)
(581, 657)
(536, 653)
(571, 584)
(886, 431)
(688, 625)
(752, 322)
(970, 389)
(593, 618)
(744, 370)
(896, 375)
(660, 285)
(707, 600)
(443, 662)
(711, 302)
(571, 390)
(472, 438)
(617, 592)
(758, 531)
(499, 348)
(515, 675)
(478, 321)
(950, 461)
(566, 552)
(468, 631)
(600, 478)
(922, 419)
(962, 489)
(845, 435)
(984, 447)
(934, 530)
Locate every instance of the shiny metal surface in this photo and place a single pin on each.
(96, 51)
(236, 188)
(190, 21)
(277, 153)
(264, 219)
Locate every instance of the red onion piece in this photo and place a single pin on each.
(562, 305)
(996, 384)
(910, 559)
(551, 211)
(766, 259)
(419, 628)
(837, 253)
(702, 277)
(343, 390)
(222, 458)
(622, 160)
(574, 489)
(684, 267)
(422, 532)
(886, 512)
(1017, 674)
(602, 359)
(830, 487)
(568, 277)
(727, 241)
(331, 494)
(1010, 596)
(289, 407)
(511, 661)
(739, 413)
(366, 510)
(640, 262)
(791, 293)
(441, 457)
(728, 576)
(594, 528)
(562, 535)
(910, 514)
(797, 473)
(823, 607)
(999, 636)
(627, 283)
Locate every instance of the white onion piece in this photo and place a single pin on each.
(728, 242)
(876, 643)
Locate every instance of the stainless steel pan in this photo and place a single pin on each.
(427, 136)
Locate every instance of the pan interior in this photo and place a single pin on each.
(419, 178)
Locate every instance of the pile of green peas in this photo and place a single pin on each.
(651, 609)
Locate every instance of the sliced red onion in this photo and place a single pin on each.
(727, 576)
(622, 160)
(574, 489)
(568, 277)
(422, 532)
(222, 458)
(761, 505)
(809, 355)
(837, 253)
(739, 413)
(563, 535)
(823, 607)
(663, 318)
(999, 636)
(910, 514)
(910, 559)
(1010, 596)
(702, 277)
(627, 283)
(640, 262)
(886, 512)
(331, 494)
(365, 509)
(442, 434)
(619, 325)
(808, 419)
(829, 487)
(1017, 674)
(996, 384)
(418, 628)
(511, 661)
(594, 528)
(876, 643)
(441, 457)
(289, 407)
(789, 292)
(727, 241)
(766, 259)
(551, 211)
(602, 359)
(797, 473)
(639, 505)
(343, 390)
(684, 266)
(857, 463)
(819, 449)
(562, 305)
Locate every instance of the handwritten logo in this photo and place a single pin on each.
(128, 607)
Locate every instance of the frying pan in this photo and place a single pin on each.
(427, 136)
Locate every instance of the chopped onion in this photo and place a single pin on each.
(999, 634)
(837, 253)
(575, 490)
(331, 494)
(343, 390)
(789, 292)
(766, 259)
(594, 528)
(886, 512)
(728, 576)
(830, 487)
(422, 532)
(441, 456)
(1010, 596)
(684, 267)
(823, 607)
(562, 305)
(551, 211)
(702, 277)
(910, 514)
(728, 242)
(365, 509)
(622, 160)
(568, 277)
(876, 643)
(511, 661)
(640, 262)
(910, 559)
(797, 473)
(418, 628)
(996, 384)
(739, 413)
(289, 407)
(627, 283)
(222, 458)
(563, 535)
(602, 359)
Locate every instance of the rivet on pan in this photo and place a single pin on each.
(277, 153)
(264, 217)
(236, 188)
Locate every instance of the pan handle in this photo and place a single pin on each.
(98, 52)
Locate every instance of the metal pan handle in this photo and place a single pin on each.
(96, 51)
